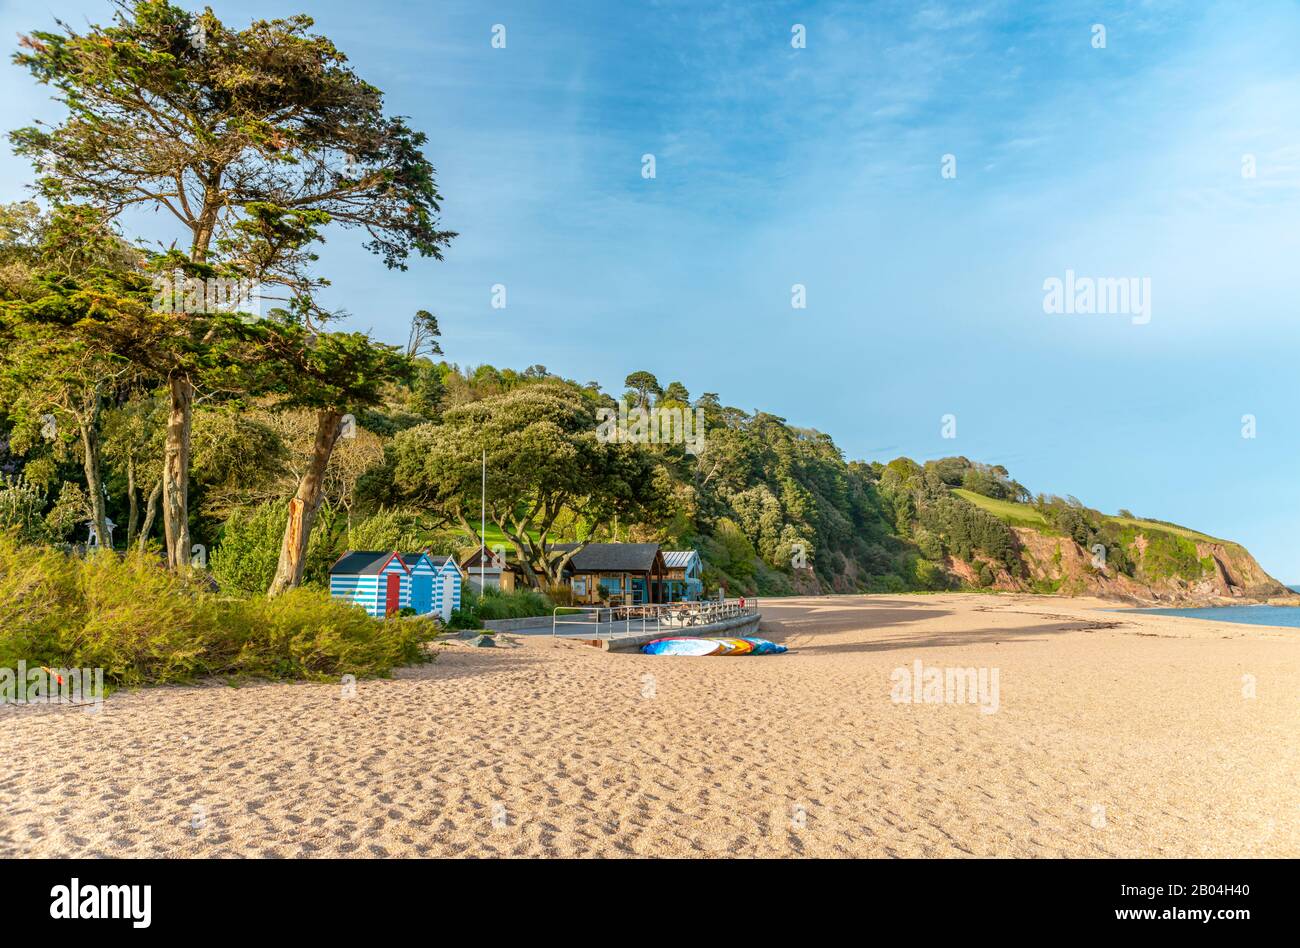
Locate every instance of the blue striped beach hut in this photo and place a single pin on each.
(447, 579)
(377, 581)
(423, 572)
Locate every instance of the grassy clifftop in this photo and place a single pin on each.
(1027, 515)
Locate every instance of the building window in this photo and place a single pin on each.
(580, 586)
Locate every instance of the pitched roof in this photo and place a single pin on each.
(363, 562)
(410, 559)
(612, 557)
(678, 559)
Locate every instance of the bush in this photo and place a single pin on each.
(249, 552)
(930, 575)
(306, 634)
(497, 604)
(40, 601)
(21, 504)
(463, 619)
(560, 595)
(144, 625)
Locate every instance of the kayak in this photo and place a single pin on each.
(694, 646)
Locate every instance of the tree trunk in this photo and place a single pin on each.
(150, 513)
(525, 558)
(176, 471)
(133, 517)
(305, 504)
(88, 422)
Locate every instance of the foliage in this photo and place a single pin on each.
(40, 603)
(306, 634)
(144, 625)
(21, 506)
(401, 530)
(545, 465)
(496, 603)
(245, 560)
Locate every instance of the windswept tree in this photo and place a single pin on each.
(253, 140)
(644, 384)
(545, 467)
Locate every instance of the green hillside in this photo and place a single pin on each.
(1018, 515)
(1027, 515)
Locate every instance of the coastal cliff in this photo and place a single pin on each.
(1223, 573)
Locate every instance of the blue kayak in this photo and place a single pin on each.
(694, 646)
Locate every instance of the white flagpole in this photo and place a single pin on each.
(482, 528)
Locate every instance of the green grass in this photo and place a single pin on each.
(1018, 515)
(1168, 528)
(1024, 515)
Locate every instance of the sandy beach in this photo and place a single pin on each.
(1113, 735)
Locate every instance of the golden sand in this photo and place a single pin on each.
(1114, 735)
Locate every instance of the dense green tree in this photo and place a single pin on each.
(543, 461)
(53, 379)
(252, 140)
(645, 385)
(330, 374)
(676, 392)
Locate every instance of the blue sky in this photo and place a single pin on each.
(821, 166)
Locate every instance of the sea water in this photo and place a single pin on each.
(1247, 615)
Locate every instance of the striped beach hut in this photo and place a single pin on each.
(446, 584)
(377, 581)
(423, 572)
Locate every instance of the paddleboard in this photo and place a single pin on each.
(681, 646)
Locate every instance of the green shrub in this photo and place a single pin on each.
(246, 559)
(497, 604)
(144, 625)
(306, 634)
(40, 602)
(463, 619)
(1168, 555)
(930, 575)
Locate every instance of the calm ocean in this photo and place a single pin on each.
(1247, 615)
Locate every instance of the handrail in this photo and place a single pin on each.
(652, 617)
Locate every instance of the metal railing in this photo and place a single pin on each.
(610, 621)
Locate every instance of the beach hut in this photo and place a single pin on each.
(422, 580)
(377, 581)
(498, 571)
(446, 584)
